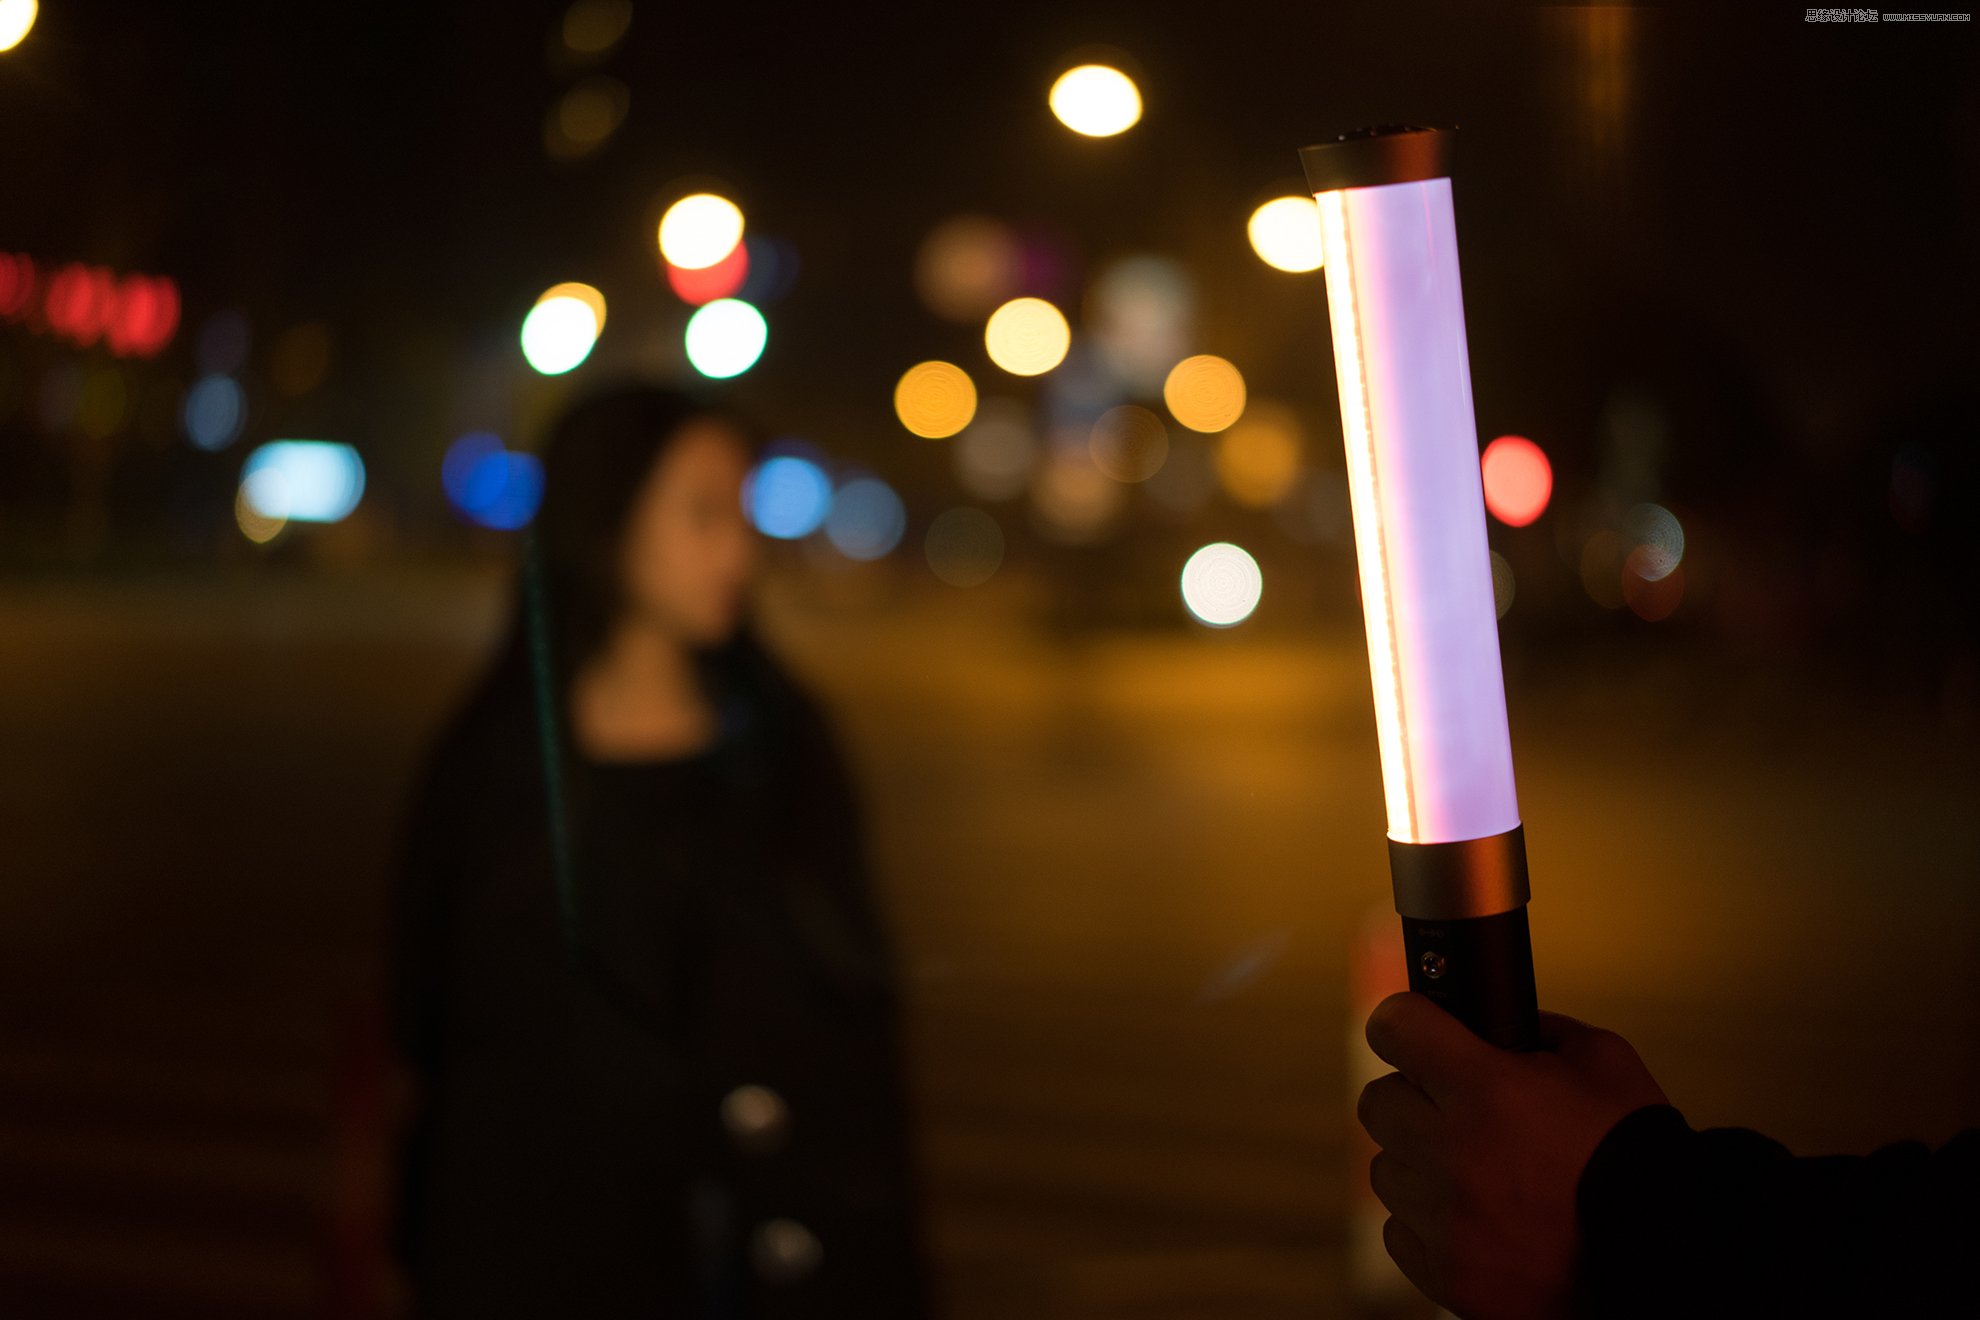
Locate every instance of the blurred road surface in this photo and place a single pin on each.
(1125, 870)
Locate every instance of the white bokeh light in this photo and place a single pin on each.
(560, 330)
(725, 338)
(1221, 584)
(1096, 100)
(700, 230)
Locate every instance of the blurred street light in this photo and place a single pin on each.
(1027, 336)
(1285, 233)
(935, 399)
(1096, 100)
(725, 338)
(560, 330)
(16, 18)
(1221, 584)
(1204, 393)
(699, 230)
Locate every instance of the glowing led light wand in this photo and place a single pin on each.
(1457, 852)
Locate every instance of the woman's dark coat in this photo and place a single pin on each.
(570, 1157)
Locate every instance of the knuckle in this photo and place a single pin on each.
(1378, 1174)
(1389, 1227)
(1368, 1105)
(1381, 1025)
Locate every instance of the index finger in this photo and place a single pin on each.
(1427, 1045)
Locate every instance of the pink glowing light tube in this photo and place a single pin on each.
(1456, 847)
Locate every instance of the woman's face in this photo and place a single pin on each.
(689, 551)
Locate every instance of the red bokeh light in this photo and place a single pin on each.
(132, 315)
(17, 281)
(79, 303)
(1651, 600)
(146, 315)
(1518, 480)
(721, 280)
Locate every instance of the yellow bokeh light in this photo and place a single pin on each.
(935, 399)
(1096, 100)
(256, 526)
(1204, 393)
(700, 230)
(592, 27)
(1258, 459)
(16, 18)
(1027, 336)
(1285, 233)
(584, 293)
(589, 113)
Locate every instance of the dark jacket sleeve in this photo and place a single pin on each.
(1726, 1221)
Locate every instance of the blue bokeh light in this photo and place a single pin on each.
(213, 412)
(867, 519)
(457, 469)
(304, 480)
(773, 268)
(492, 486)
(787, 497)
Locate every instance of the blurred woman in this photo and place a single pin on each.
(639, 975)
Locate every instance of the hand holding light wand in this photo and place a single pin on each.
(1457, 851)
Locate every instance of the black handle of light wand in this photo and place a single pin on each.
(1463, 909)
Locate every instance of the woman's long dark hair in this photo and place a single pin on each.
(597, 460)
(570, 593)
(595, 463)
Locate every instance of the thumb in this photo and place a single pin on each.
(1428, 1045)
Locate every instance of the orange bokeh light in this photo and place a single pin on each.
(1518, 480)
(1651, 599)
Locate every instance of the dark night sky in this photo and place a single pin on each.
(1803, 195)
